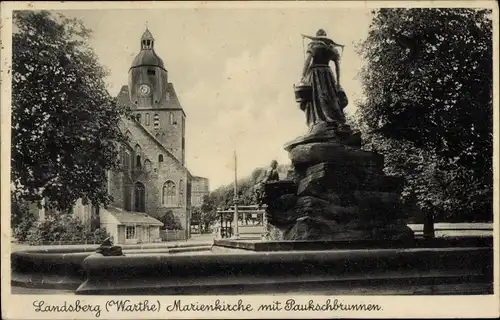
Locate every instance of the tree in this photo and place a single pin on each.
(64, 122)
(428, 108)
(196, 217)
(223, 196)
(208, 214)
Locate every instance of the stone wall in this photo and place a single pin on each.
(199, 189)
(152, 173)
(165, 120)
(168, 129)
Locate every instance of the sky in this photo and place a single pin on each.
(233, 70)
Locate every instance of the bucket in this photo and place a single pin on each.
(303, 93)
(343, 101)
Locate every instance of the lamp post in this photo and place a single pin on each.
(235, 199)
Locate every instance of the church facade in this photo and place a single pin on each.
(154, 179)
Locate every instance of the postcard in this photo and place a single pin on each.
(246, 159)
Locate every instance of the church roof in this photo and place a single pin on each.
(147, 35)
(199, 178)
(172, 104)
(132, 217)
(157, 142)
(147, 57)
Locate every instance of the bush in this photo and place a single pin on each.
(22, 230)
(64, 228)
(171, 222)
(272, 233)
(21, 219)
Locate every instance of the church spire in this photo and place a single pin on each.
(147, 56)
(147, 40)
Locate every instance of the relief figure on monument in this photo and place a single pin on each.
(270, 175)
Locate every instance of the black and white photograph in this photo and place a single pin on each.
(249, 159)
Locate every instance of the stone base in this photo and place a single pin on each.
(459, 269)
(433, 267)
(336, 191)
(326, 133)
(310, 228)
(231, 245)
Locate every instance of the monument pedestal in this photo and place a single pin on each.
(336, 191)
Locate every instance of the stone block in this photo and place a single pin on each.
(313, 228)
(328, 134)
(281, 219)
(280, 212)
(317, 207)
(328, 177)
(335, 153)
(276, 189)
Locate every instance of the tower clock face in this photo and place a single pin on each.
(144, 89)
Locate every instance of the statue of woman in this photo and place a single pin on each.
(325, 106)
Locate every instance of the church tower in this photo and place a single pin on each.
(153, 100)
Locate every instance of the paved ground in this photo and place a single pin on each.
(441, 230)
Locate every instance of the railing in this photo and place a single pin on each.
(172, 235)
(226, 232)
(250, 217)
(444, 229)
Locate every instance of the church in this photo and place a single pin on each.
(154, 179)
(153, 185)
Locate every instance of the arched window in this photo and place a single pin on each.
(147, 165)
(138, 156)
(126, 160)
(160, 158)
(156, 121)
(171, 115)
(128, 134)
(169, 193)
(181, 192)
(138, 117)
(147, 119)
(140, 197)
(147, 44)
